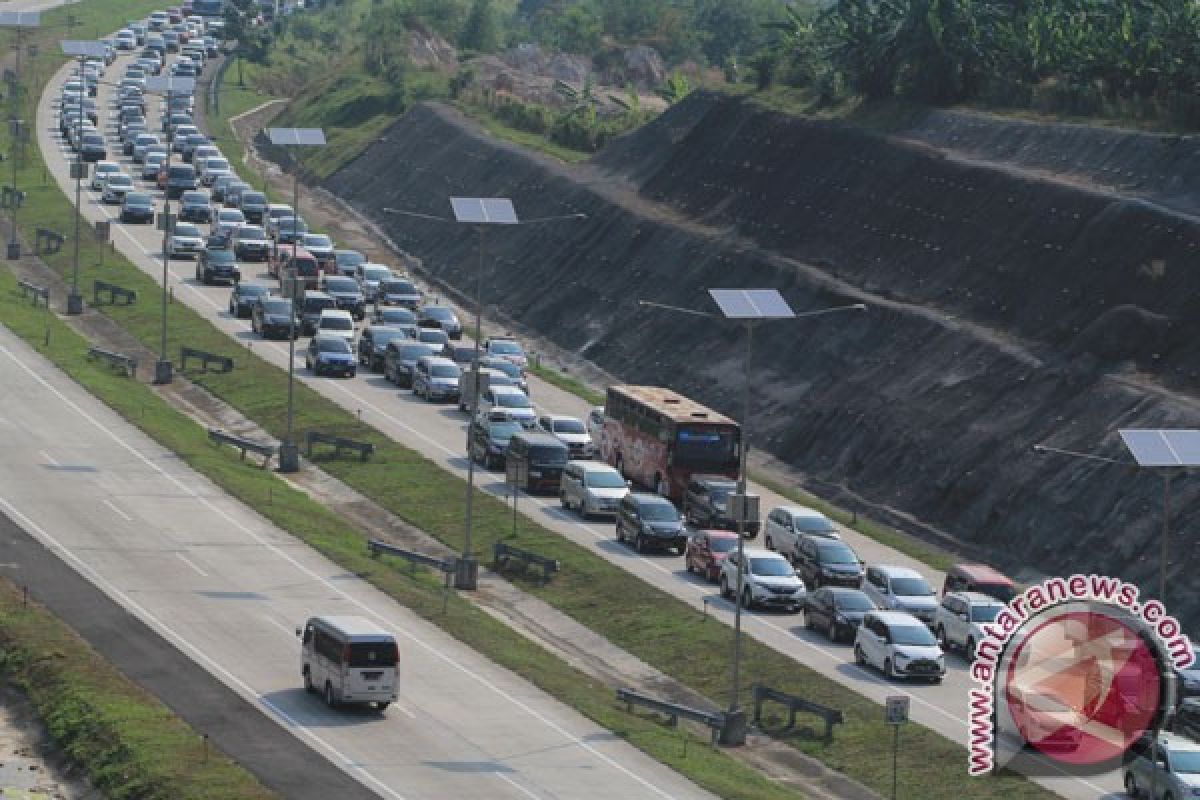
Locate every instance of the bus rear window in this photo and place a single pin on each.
(373, 654)
(706, 445)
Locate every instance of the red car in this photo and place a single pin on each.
(706, 550)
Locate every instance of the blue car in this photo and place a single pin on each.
(328, 354)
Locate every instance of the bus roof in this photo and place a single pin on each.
(671, 405)
(354, 629)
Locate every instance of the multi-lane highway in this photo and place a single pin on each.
(438, 432)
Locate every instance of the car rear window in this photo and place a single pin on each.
(185, 171)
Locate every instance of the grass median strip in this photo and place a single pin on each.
(649, 623)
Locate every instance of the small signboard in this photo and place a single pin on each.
(103, 227)
(896, 709)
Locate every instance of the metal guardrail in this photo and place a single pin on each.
(267, 451)
(445, 565)
(128, 296)
(47, 242)
(502, 554)
(715, 720)
(205, 358)
(831, 716)
(10, 196)
(37, 292)
(127, 363)
(340, 443)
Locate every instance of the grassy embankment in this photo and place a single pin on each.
(647, 622)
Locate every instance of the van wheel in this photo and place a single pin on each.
(970, 650)
(329, 699)
(770, 544)
(620, 465)
(888, 670)
(562, 501)
(940, 635)
(1131, 787)
(747, 599)
(639, 543)
(724, 587)
(860, 657)
(308, 684)
(383, 704)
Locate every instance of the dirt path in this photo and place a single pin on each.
(31, 766)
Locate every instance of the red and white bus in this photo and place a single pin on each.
(659, 438)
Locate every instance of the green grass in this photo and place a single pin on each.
(568, 384)
(493, 125)
(633, 614)
(234, 99)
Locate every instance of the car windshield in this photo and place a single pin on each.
(503, 430)
(505, 348)
(333, 344)
(507, 367)
(276, 306)
(569, 426)
(186, 229)
(137, 199)
(985, 613)
(350, 258)
(312, 239)
(852, 601)
(338, 323)
(376, 273)
(397, 316)
(914, 635)
(445, 371)
(1185, 762)
(383, 335)
(230, 215)
(221, 256)
(660, 512)
(216, 163)
(398, 287)
(814, 525)
(722, 544)
(411, 352)
(604, 479)
(548, 455)
(194, 198)
(771, 567)
(433, 335)
(341, 285)
(251, 233)
(119, 180)
(837, 554)
(911, 587)
(512, 400)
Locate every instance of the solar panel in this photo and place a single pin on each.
(311, 137)
(751, 304)
(87, 48)
(1163, 448)
(484, 210)
(20, 19)
(170, 84)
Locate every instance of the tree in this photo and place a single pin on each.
(480, 32)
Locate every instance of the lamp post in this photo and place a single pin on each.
(83, 49)
(289, 452)
(750, 307)
(1166, 450)
(167, 85)
(480, 212)
(18, 20)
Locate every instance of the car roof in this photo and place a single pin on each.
(440, 361)
(717, 533)
(333, 312)
(644, 497)
(1178, 743)
(982, 573)
(801, 511)
(895, 618)
(592, 466)
(759, 552)
(894, 571)
(706, 478)
(976, 598)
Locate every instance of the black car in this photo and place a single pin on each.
(272, 319)
(348, 295)
(348, 261)
(837, 611)
(399, 292)
(490, 438)
(706, 504)
(244, 297)
(400, 359)
(1187, 718)
(217, 264)
(395, 316)
(137, 207)
(180, 178)
(827, 562)
(310, 310)
(650, 521)
(92, 148)
(372, 344)
(195, 206)
(440, 317)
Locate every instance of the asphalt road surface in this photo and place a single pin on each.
(439, 432)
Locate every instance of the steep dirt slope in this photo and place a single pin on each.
(1004, 312)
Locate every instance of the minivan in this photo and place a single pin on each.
(310, 311)
(349, 660)
(180, 178)
(435, 378)
(592, 487)
(899, 645)
(534, 462)
(901, 588)
(979, 578)
(650, 521)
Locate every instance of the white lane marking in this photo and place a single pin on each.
(197, 653)
(118, 511)
(191, 564)
(317, 578)
(291, 632)
(516, 785)
(46, 457)
(404, 710)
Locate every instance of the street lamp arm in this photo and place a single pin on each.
(835, 310)
(1042, 449)
(404, 213)
(558, 218)
(694, 312)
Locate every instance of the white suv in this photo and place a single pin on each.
(592, 487)
(768, 580)
(511, 400)
(959, 620)
(337, 323)
(1168, 767)
(786, 524)
(571, 432)
(899, 645)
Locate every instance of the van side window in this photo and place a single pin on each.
(327, 647)
(308, 634)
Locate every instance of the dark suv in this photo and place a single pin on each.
(827, 562)
(649, 521)
(706, 504)
(348, 295)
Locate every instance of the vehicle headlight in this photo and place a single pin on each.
(941, 660)
(902, 658)
(840, 619)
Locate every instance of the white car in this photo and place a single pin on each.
(899, 645)
(901, 588)
(510, 400)
(1166, 767)
(336, 323)
(229, 216)
(959, 620)
(115, 187)
(768, 580)
(591, 487)
(571, 432)
(185, 240)
(101, 172)
(786, 524)
(213, 168)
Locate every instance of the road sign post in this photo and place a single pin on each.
(896, 714)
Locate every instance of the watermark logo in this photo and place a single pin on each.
(1069, 675)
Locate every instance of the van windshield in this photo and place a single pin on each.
(337, 324)
(911, 587)
(373, 654)
(605, 480)
(548, 455)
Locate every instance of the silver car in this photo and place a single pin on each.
(1162, 768)
(901, 589)
(592, 488)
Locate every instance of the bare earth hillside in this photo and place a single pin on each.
(1017, 296)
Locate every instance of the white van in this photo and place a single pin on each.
(349, 660)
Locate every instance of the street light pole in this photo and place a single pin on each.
(163, 368)
(83, 50)
(19, 20)
(473, 407)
